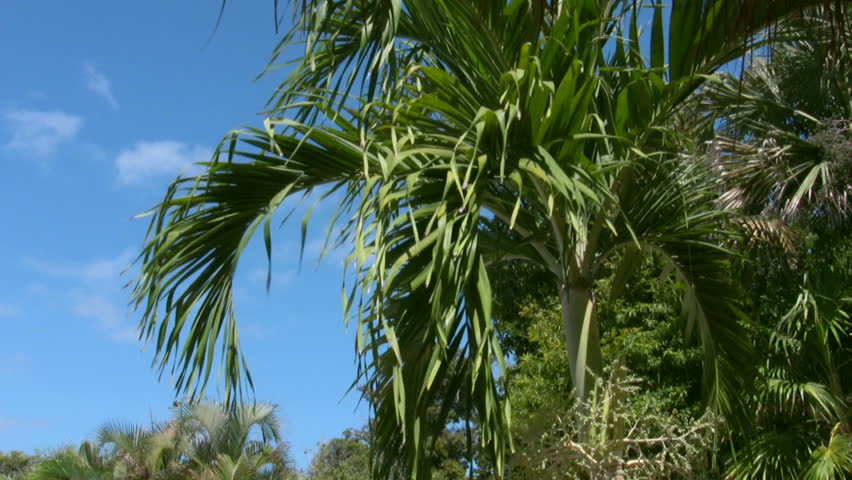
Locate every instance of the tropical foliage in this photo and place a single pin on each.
(15, 464)
(345, 457)
(784, 149)
(203, 441)
(651, 389)
(552, 133)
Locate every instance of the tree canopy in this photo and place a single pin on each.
(452, 137)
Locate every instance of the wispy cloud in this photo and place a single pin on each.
(11, 423)
(317, 247)
(36, 289)
(96, 294)
(106, 314)
(9, 310)
(256, 330)
(100, 84)
(147, 160)
(94, 273)
(40, 133)
(107, 270)
(279, 276)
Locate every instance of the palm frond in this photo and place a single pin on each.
(67, 465)
(832, 461)
(468, 114)
(787, 144)
(779, 454)
(668, 210)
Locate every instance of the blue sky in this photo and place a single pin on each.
(102, 103)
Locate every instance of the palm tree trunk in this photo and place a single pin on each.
(580, 324)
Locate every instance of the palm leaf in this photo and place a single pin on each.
(468, 113)
(832, 461)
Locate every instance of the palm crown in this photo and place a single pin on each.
(483, 131)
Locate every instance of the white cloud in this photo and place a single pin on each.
(100, 84)
(40, 133)
(147, 160)
(106, 270)
(256, 330)
(333, 254)
(37, 289)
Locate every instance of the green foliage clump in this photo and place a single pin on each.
(15, 464)
(348, 457)
(644, 330)
(646, 420)
(345, 457)
(204, 441)
(801, 396)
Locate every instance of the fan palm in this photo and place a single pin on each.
(218, 437)
(204, 439)
(785, 147)
(786, 156)
(139, 452)
(802, 403)
(85, 464)
(483, 131)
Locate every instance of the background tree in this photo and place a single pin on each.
(785, 142)
(785, 151)
(801, 397)
(653, 386)
(202, 441)
(138, 452)
(15, 464)
(345, 457)
(70, 464)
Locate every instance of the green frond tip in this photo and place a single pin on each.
(832, 461)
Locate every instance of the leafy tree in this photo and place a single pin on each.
(347, 458)
(484, 132)
(652, 389)
(16, 464)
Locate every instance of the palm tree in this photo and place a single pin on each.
(801, 401)
(542, 131)
(204, 440)
(86, 463)
(219, 442)
(785, 143)
(138, 452)
(785, 152)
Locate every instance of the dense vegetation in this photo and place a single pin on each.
(578, 249)
(202, 441)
